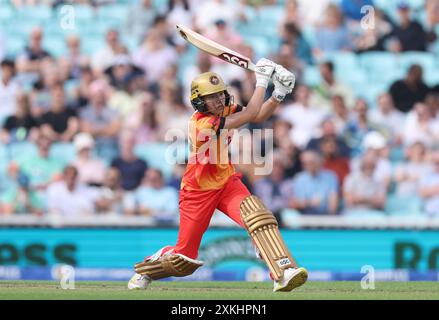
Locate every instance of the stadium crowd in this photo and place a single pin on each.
(75, 117)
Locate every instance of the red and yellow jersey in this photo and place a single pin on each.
(209, 166)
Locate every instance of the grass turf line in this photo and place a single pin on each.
(351, 290)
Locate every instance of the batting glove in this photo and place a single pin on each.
(264, 70)
(284, 82)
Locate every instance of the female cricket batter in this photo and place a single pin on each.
(211, 183)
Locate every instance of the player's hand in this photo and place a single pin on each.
(283, 81)
(264, 70)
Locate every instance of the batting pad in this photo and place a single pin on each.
(264, 230)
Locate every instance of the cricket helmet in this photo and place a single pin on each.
(205, 84)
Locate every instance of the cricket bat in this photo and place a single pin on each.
(215, 49)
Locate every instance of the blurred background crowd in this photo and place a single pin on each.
(89, 89)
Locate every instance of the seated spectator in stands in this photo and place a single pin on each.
(81, 93)
(111, 198)
(21, 125)
(140, 18)
(106, 57)
(59, 123)
(68, 198)
(432, 102)
(275, 190)
(19, 198)
(179, 12)
(41, 93)
(41, 169)
(34, 53)
(155, 199)
(144, 121)
(332, 35)
(362, 191)
(431, 14)
(329, 87)
(340, 113)
(74, 55)
(375, 145)
(126, 100)
(315, 189)
(409, 173)
(329, 130)
(359, 125)
(154, 56)
(91, 171)
(408, 91)
(291, 158)
(408, 34)
(129, 165)
(333, 160)
(388, 117)
(293, 37)
(429, 188)
(100, 121)
(121, 72)
(8, 89)
(420, 126)
(208, 12)
(304, 117)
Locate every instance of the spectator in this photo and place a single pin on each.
(213, 10)
(408, 35)
(140, 18)
(100, 121)
(359, 126)
(408, 91)
(274, 190)
(106, 57)
(155, 199)
(68, 198)
(333, 160)
(291, 158)
(362, 191)
(340, 113)
(91, 171)
(129, 165)
(144, 122)
(333, 35)
(179, 12)
(74, 55)
(329, 87)
(19, 198)
(111, 198)
(21, 125)
(388, 117)
(315, 189)
(34, 54)
(373, 39)
(41, 94)
(8, 89)
(59, 123)
(80, 94)
(154, 56)
(376, 145)
(408, 174)
(304, 116)
(294, 38)
(420, 126)
(328, 130)
(429, 188)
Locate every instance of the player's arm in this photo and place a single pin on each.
(264, 70)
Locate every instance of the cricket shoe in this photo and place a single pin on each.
(293, 278)
(139, 281)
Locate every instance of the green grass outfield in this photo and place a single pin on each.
(217, 291)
